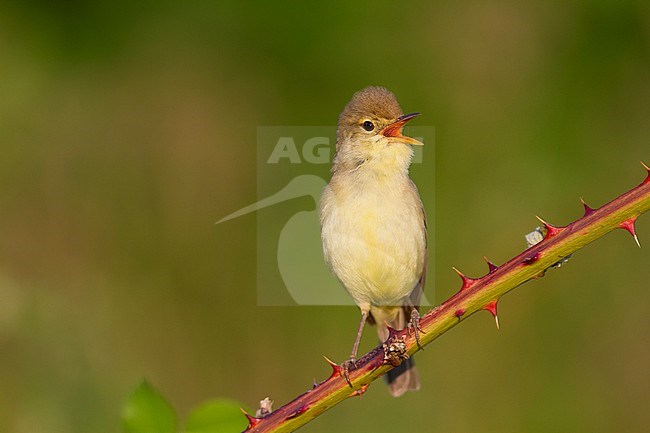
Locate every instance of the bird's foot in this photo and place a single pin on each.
(414, 327)
(348, 365)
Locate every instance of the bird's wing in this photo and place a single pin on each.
(417, 292)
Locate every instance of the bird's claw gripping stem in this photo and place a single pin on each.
(414, 327)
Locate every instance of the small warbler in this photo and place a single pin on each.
(373, 225)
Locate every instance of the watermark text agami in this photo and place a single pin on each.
(314, 150)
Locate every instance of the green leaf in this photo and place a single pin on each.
(216, 416)
(147, 411)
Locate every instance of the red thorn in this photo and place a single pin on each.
(550, 229)
(335, 367)
(531, 259)
(300, 411)
(647, 179)
(252, 421)
(588, 209)
(391, 331)
(459, 313)
(628, 225)
(359, 392)
(491, 265)
(467, 281)
(492, 308)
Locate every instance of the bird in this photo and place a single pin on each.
(373, 223)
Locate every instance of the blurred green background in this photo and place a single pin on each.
(128, 129)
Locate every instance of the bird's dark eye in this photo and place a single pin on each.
(368, 125)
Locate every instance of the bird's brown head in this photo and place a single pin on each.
(374, 111)
(371, 125)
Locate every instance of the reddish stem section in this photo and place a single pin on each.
(475, 294)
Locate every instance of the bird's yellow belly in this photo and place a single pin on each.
(378, 251)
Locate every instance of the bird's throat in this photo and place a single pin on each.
(379, 164)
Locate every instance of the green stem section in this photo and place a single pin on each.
(476, 294)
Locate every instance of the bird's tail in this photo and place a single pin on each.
(405, 376)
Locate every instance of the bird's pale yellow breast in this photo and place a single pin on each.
(373, 237)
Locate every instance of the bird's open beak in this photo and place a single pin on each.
(394, 130)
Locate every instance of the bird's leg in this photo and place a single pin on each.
(355, 347)
(352, 361)
(414, 325)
